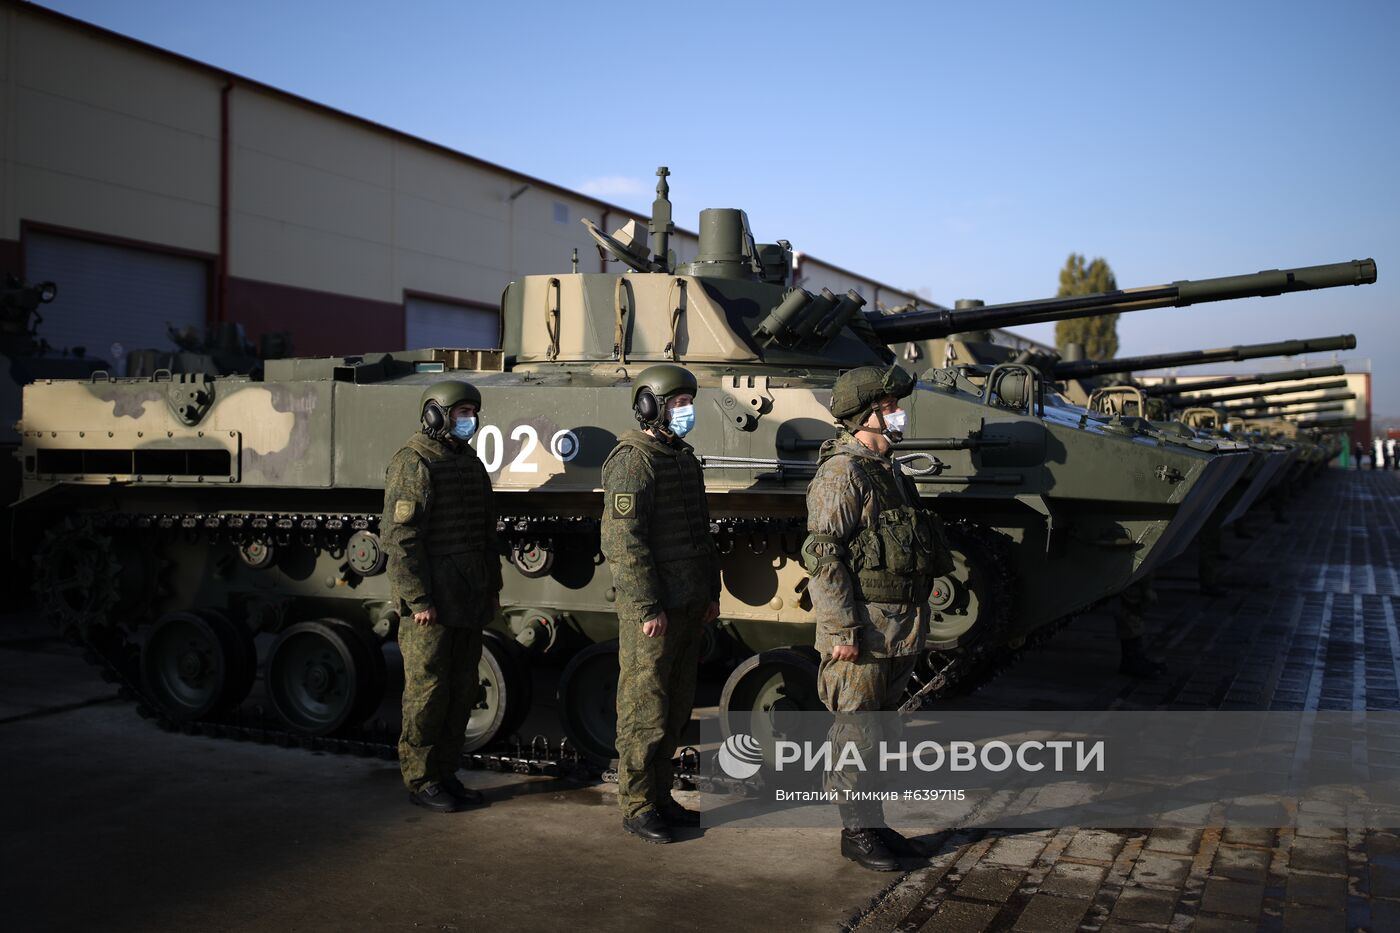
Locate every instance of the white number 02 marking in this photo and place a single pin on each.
(564, 446)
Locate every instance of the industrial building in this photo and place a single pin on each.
(160, 191)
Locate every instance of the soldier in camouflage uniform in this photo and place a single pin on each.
(665, 566)
(439, 532)
(873, 552)
(1134, 660)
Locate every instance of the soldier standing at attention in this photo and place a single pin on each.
(665, 566)
(445, 571)
(873, 553)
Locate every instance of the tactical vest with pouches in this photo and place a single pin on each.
(896, 559)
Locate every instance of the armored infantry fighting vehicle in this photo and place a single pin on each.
(1082, 381)
(1095, 384)
(213, 527)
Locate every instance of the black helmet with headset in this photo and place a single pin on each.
(439, 399)
(654, 386)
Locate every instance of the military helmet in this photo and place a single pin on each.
(857, 390)
(654, 385)
(440, 398)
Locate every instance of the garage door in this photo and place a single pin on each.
(430, 323)
(114, 299)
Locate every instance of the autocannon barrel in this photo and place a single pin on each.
(1254, 394)
(1288, 412)
(1229, 382)
(934, 323)
(1327, 423)
(1269, 402)
(1080, 369)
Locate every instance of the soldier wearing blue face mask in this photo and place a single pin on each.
(873, 551)
(439, 531)
(665, 568)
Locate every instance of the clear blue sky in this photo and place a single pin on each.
(962, 149)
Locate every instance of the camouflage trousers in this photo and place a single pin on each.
(1132, 603)
(440, 684)
(655, 694)
(864, 686)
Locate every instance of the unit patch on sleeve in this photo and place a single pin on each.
(624, 505)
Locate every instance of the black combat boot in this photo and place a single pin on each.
(648, 826)
(462, 794)
(677, 815)
(1138, 663)
(861, 840)
(871, 815)
(867, 849)
(434, 797)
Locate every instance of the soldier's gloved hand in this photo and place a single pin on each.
(844, 652)
(426, 617)
(711, 613)
(656, 626)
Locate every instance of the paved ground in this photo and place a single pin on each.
(110, 823)
(1310, 624)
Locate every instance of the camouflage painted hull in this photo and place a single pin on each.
(1081, 510)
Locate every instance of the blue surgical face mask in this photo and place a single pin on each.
(682, 420)
(464, 428)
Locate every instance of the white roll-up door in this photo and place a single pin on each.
(114, 299)
(431, 323)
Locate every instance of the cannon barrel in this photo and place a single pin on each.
(1327, 423)
(1184, 401)
(940, 322)
(1257, 406)
(1282, 412)
(1081, 369)
(1288, 412)
(1330, 427)
(1229, 382)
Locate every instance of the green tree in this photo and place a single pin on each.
(1098, 335)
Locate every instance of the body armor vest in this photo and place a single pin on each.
(457, 518)
(680, 518)
(896, 559)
